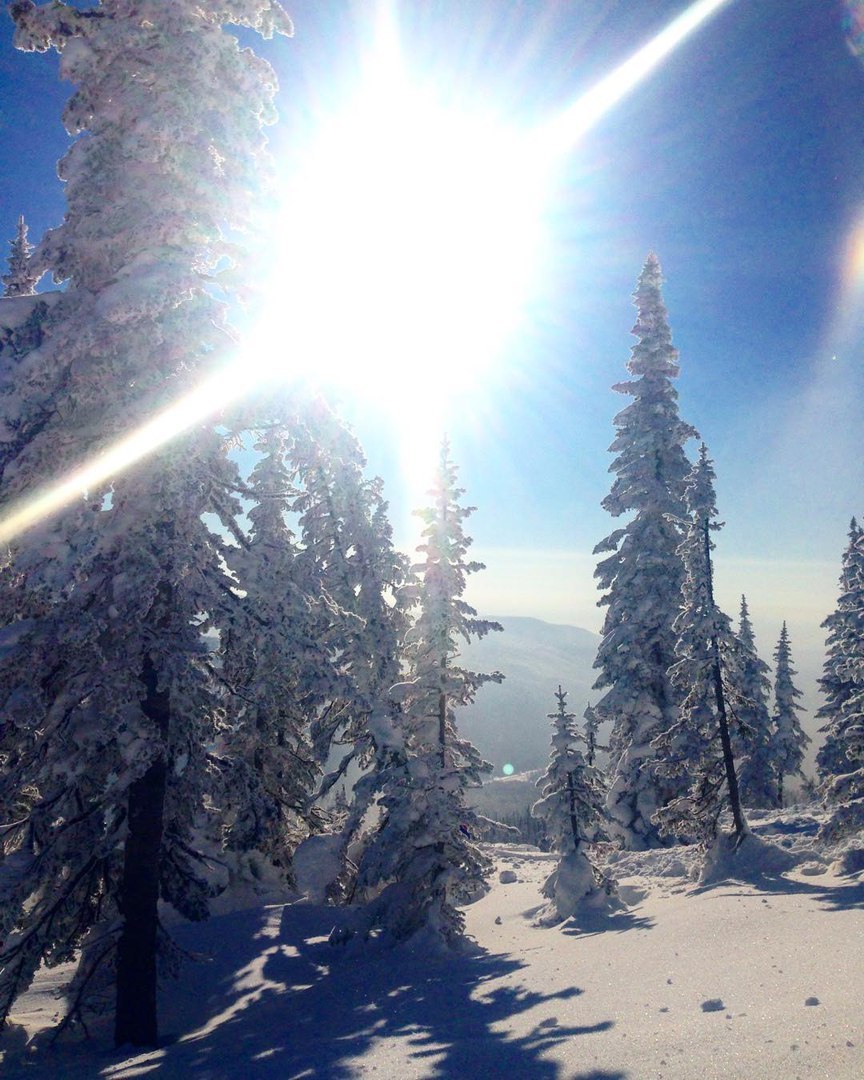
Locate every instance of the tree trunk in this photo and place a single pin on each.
(720, 698)
(574, 824)
(726, 743)
(135, 1019)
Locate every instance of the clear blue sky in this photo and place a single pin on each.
(740, 162)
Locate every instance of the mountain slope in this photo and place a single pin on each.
(508, 722)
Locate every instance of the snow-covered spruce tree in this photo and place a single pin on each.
(22, 277)
(842, 674)
(424, 851)
(757, 777)
(277, 665)
(572, 807)
(589, 734)
(111, 685)
(697, 749)
(644, 573)
(346, 546)
(841, 758)
(790, 741)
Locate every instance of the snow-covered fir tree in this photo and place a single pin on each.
(842, 675)
(790, 740)
(757, 776)
(22, 277)
(644, 573)
(109, 683)
(572, 808)
(697, 749)
(424, 851)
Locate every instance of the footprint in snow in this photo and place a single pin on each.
(713, 1005)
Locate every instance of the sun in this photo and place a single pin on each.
(409, 244)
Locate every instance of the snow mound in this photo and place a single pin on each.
(850, 861)
(753, 860)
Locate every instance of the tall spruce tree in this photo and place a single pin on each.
(790, 740)
(277, 651)
(110, 684)
(757, 779)
(572, 807)
(697, 749)
(22, 276)
(644, 573)
(424, 851)
(842, 675)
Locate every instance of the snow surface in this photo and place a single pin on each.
(750, 979)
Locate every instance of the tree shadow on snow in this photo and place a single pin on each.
(591, 923)
(834, 897)
(293, 1006)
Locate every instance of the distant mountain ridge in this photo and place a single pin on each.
(508, 722)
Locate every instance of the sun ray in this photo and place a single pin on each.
(355, 312)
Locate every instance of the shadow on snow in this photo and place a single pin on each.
(276, 1000)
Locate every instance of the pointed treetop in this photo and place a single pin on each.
(21, 279)
(654, 354)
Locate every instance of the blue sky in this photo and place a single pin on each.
(740, 162)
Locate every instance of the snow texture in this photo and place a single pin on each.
(692, 980)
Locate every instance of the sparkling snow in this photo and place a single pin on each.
(754, 978)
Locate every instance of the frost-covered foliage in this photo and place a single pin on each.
(424, 851)
(757, 769)
(589, 734)
(108, 692)
(697, 749)
(841, 758)
(276, 654)
(346, 547)
(843, 674)
(572, 808)
(644, 573)
(21, 278)
(790, 740)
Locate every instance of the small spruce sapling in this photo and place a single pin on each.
(572, 809)
(22, 276)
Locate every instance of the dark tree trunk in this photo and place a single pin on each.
(135, 1018)
(723, 723)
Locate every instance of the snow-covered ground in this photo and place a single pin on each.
(731, 980)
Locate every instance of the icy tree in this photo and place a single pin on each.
(22, 277)
(697, 749)
(572, 807)
(841, 758)
(644, 573)
(346, 546)
(757, 779)
(277, 665)
(424, 851)
(589, 734)
(109, 684)
(790, 741)
(842, 676)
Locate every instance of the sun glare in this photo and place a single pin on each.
(408, 249)
(411, 240)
